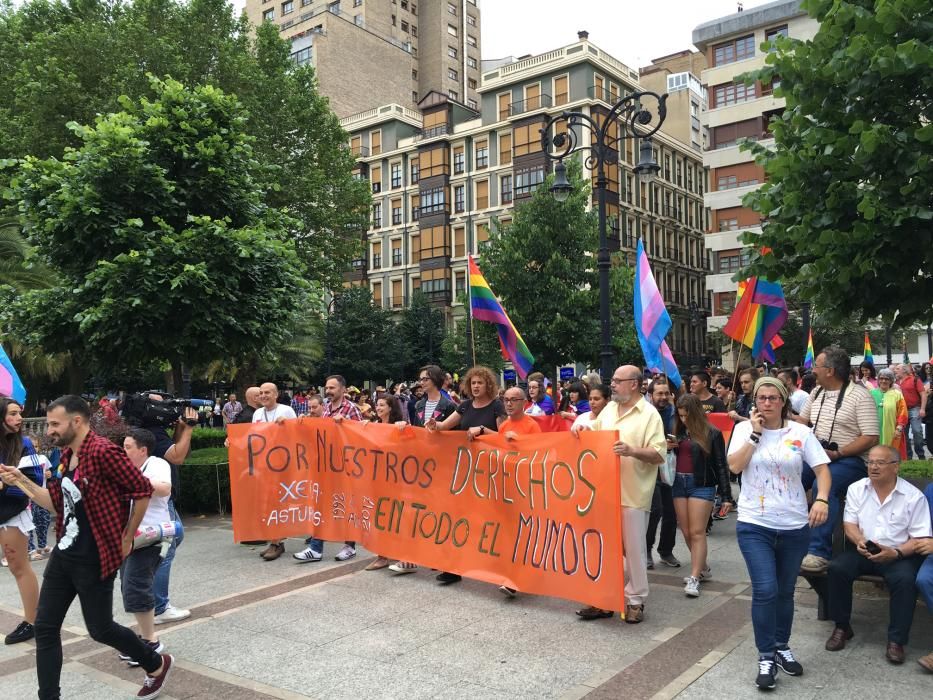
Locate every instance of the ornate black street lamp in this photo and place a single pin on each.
(695, 326)
(628, 118)
(328, 349)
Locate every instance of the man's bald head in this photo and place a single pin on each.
(268, 394)
(514, 398)
(626, 381)
(252, 397)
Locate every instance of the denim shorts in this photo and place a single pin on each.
(685, 487)
(136, 576)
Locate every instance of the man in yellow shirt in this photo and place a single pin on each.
(641, 447)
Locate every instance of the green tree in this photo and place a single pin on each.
(363, 339)
(69, 62)
(847, 197)
(161, 241)
(421, 331)
(543, 267)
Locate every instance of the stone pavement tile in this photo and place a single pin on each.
(384, 642)
(383, 681)
(75, 686)
(467, 689)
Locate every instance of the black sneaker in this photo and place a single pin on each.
(158, 647)
(785, 660)
(767, 670)
(447, 578)
(23, 632)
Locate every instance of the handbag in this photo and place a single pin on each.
(668, 469)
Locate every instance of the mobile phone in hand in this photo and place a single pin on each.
(872, 547)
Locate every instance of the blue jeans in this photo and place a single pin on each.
(925, 575)
(318, 545)
(685, 486)
(845, 472)
(160, 582)
(772, 558)
(916, 432)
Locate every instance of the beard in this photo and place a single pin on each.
(65, 438)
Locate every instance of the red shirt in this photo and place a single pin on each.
(911, 387)
(347, 409)
(107, 481)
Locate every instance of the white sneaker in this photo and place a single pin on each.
(346, 552)
(692, 588)
(307, 554)
(403, 567)
(172, 614)
(706, 574)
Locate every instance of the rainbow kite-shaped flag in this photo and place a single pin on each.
(867, 351)
(485, 307)
(759, 314)
(808, 359)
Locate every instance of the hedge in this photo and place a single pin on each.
(205, 479)
(207, 437)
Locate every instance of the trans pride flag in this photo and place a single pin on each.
(485, 307)
(652, 322)
(10, 384)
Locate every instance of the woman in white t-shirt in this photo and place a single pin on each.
(773, 529)
(599, 397)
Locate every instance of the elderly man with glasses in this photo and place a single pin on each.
(641, 447)
(886, 518)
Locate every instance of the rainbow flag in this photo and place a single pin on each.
(485, 307)
(760, 312)
(652, 322)
(10, 384)
(867, 351)
(808, 359)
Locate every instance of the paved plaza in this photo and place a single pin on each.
(333, 631)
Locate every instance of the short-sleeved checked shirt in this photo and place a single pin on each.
(108, 481)
(347, 409)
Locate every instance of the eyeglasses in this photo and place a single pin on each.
(423, 379)
(616, 380)
(880, 462)
(512, 399)
(768, 399)
(821, 367)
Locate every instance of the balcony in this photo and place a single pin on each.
(360, 151)
(438, 130)
(602, 93)
(397, 302)
(529, 105)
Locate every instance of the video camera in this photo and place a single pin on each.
(142, 411)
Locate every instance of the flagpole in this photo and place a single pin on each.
(749, 289)
(470, 348)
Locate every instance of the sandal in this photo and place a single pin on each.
(36, 555)
(378, 563)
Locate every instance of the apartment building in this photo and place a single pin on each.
(678, 75)
(733, 46)
(368, 52)
(443, 173)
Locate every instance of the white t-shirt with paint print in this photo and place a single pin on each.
(772, 493)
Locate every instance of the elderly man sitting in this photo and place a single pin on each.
(925, 577)
(886, 518)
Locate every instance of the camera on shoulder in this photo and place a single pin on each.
(144, 411)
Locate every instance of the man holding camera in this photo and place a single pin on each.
(885, 518)
(845, 420)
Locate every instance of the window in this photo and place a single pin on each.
(482, 154)
(268, 15)
(505, 184)
(356, 3)
(772, 34)
(452, 30)
(375, 177)
(482, 194)
(458, 160)
(471, 62)
(525, 139)
(397, 251)
(505, 148)
(505, 105)
(452, 9)
(414, 30)
(397, 299)
(482, 235)
(735, 50)
(527, 180)
(471, 40)
(452, 74)
(377, 216)
(453, 94)
(452, 51)
(305, 3)
(415, 251)
(334, 7)
(459, 200)
(732, 93)
(404, 4)
(433, 201)
(358, 20)
(377, 294)
(561, 93)
(472, 104)
(415, 170)
(288, 7)
(471, 83)
(355, 143)
(732, 261)
(396, 175)
(728, 134)
(471, 20)
(404, 26)
(396, 212)
(434, 162)
(303, 57)
(435, 283)
(460, 283)
(730, 182)
(435, 243)
(728, 224)
(415, 204)
(375, 142)
(459, 242)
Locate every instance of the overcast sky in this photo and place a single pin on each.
(632, 31)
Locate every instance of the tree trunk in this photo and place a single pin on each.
(75, 377)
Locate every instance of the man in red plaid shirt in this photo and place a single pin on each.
(94, 528)
(339, 408)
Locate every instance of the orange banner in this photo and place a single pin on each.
(724, 423)
(541, 514)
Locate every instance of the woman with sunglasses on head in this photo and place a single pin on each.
(16, 450)
(773, 528)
